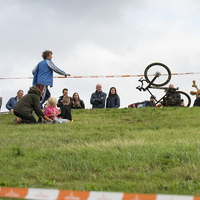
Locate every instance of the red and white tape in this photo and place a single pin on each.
(103, 76)
(54, 194)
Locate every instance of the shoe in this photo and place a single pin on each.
(17, 120)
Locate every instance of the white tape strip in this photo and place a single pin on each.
(54, 194)
(104, 76)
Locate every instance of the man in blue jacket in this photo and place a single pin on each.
(98, 98)
(43, 74)
(13, 100)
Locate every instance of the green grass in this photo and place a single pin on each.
(144, 150)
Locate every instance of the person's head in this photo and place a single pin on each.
(66, 100)
(47, 54)
(152, 98)
(41, 87)
(98, 88)
(65, 92)
(171, 86)
(76, 97)
(52, 102)
(113, 90)
(20, 94)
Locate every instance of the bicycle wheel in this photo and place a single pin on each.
(163, 72)
(185, 97)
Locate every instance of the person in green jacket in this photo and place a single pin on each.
(30, 102)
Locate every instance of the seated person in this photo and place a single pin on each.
(150, 103)
(65, 93)
(65, 110)
(24, 108)
(172, 99)
(13, 100)
(51, 111)
(77, 103)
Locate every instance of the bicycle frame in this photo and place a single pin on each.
(153, 87)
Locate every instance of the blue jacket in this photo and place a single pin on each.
(11, 102)
(43, 72)
(99, 99)
(112, 102)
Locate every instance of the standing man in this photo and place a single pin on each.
(98, 98)
(43, 74)
(13, 100)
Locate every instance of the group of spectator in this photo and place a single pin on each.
(38, 94)
(19, 107)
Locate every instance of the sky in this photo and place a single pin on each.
(93, 37)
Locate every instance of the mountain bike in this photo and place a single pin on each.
(157, 75)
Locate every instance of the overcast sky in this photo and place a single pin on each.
(93, 37)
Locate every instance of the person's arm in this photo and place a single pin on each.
(117, 103)
(82, 104)
(8, 105)
(62, 113)
(36, 107)
(54, 68)
(59, 104)
(33, 71)
(93, 100)
(47, 112)
(57, 112)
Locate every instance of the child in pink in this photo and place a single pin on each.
(51, 111)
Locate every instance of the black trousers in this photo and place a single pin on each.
(26, 119)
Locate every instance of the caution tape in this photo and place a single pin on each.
(55, 194)
(105, 76)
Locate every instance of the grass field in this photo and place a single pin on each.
(144, 150)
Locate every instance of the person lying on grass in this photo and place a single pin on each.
(24, 108)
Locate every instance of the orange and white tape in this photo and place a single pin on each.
(104, 76)
(54, 194)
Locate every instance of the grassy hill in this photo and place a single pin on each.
(144, 150)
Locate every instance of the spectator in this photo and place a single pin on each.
(98, 98)
(30, 102)
(77, 103)
(51, 111)
(150, 103)
(43, 74)
(172, 99)
(60, 100)
(113, 100)
(65, 111)
(0, 103)
(13, 100)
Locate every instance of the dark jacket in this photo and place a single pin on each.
(11, 103)
(66, 112)
(113, 102)
(98, 99)
(197, 102)
(59, 104)
(172, 100)
(82, 105)
(30, 102)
